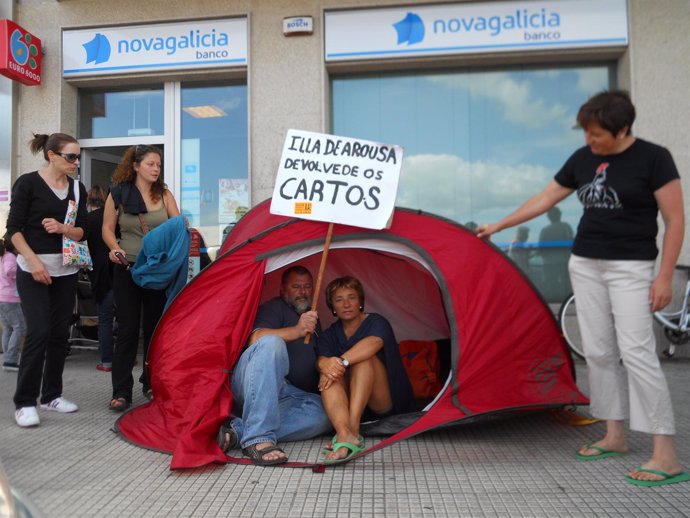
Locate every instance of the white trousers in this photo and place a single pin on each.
(615, 320)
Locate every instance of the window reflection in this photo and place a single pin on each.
(113, 113)
(214, 177)
(477, 145)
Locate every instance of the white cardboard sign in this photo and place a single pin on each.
(337, 179)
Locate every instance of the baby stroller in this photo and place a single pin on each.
(83, 333)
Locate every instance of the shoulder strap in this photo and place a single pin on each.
(75, 188)
(144, 227)
(71, 215)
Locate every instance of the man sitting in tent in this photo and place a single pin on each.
(275, 381)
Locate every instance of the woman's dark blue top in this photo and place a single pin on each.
(333, 342)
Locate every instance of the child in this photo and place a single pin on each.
(11, 316)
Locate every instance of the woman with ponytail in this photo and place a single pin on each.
(47, 288)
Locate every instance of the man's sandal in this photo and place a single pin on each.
(227, 437)
(257, 456)
(119, 404)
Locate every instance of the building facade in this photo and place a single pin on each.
(481, 95)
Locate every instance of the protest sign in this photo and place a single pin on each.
(337, 179)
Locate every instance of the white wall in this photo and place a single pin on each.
(7, 109)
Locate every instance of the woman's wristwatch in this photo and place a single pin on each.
(344, 362)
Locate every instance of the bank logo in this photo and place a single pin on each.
(23, 50)
(410, 29)
(97, 50)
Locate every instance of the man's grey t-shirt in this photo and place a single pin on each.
(276, 314)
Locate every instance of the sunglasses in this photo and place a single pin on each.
(70, 157)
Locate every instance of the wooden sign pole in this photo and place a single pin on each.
(319, 278)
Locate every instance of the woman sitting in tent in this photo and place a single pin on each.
(360, 368)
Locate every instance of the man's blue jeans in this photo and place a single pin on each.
(273, 410)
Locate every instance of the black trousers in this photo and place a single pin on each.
(136, 307)
(48, 312)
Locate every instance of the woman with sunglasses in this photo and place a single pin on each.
(138, 202)
(46, 287)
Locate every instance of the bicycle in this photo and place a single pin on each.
(676, 324)
(570, 329)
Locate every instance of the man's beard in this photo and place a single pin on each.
(300, 305)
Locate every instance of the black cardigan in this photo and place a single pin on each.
(102, 274)
(32, 201)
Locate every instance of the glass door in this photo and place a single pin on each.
(97, 167)
(113, 119)
(203, 131)
(213, 157)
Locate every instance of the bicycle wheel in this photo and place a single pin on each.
(670, 322)
(567, 321)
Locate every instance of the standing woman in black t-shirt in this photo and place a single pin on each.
(46, 287)
(622, 182)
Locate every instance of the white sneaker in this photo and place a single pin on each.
(27, 416)
(60, 404)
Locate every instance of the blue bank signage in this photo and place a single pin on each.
(430, 30)
(164, 46)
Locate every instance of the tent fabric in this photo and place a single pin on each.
(506, 352)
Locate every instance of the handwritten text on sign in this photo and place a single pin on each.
(337, 179)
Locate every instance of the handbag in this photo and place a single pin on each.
(75, 253)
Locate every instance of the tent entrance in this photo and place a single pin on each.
(398, 284)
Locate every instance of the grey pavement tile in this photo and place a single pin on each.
(522, 466)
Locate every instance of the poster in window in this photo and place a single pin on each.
(233, 199)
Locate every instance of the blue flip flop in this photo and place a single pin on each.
(603, 454)
(668, 478)
(354, 449)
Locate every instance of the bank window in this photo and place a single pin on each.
(105, 113)
(214, 157)
(477, 144)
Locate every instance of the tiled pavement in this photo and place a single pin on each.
(74, 466)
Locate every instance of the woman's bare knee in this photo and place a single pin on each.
(381, 400)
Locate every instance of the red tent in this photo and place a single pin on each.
(432, 279)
